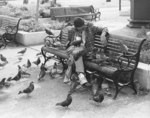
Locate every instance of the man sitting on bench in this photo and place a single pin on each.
(81, 39)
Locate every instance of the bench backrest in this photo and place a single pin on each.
(60, 11)
(113, 48)
(6, 21)
(64, 34)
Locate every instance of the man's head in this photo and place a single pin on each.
(79, 23)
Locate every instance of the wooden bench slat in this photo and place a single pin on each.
(75, 15)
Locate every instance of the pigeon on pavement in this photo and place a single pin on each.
(66, 102)
(4, 59)
(98, 98)
(22, 71)
(22, 51)
(17, 77)
(37, 62)
(2, 82)
(2, 45)
(28, 65)
(29, 89)
(38, 54)
(9, 78)
(42, 72)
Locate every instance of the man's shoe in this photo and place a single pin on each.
(82, 78)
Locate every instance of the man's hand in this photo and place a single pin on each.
(75, 43)
(70, 49)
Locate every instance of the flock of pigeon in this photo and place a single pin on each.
(6, 82)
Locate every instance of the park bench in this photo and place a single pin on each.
(8, 28)
(117, 67)
(51, 51)
(68, 13)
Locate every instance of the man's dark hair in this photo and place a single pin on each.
(78, 22)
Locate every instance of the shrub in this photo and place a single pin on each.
(30, 26)
(17, 11)
(56, 25)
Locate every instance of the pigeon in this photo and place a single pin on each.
(17, 77)
(20, 59)
(38, 54)
(42, 72)
(3, 64)
(2, 45)
(19, 68)
(53, 70)
(2, 82)
(48, 31)
(37, 62)
(43, 67)
(9, 78)
(4, 59)
(104, 41)
(28, 65)
(124, 48)
(25, 73)
(67, 102)
(22, 51)
(95, 86)
(98, 98)
(28, 90)
(74, 83)
(22, 71)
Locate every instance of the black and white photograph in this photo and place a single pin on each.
(74, 58)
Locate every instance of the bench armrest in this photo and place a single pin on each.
(50, 40)
(11, 29)
(127, 64)
(54, 41)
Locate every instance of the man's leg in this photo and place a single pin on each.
(80, 70)
(68, 72)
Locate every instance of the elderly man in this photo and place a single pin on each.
(81, 39)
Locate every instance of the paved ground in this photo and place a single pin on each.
(41, 103)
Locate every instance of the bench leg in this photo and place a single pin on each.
(65, 66)
(133, 87)
(45, 57)
(117, 90)
(3, 42)
(115, 81)
(133, 84)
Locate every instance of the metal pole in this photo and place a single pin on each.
(37, 10)
(119, 5)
